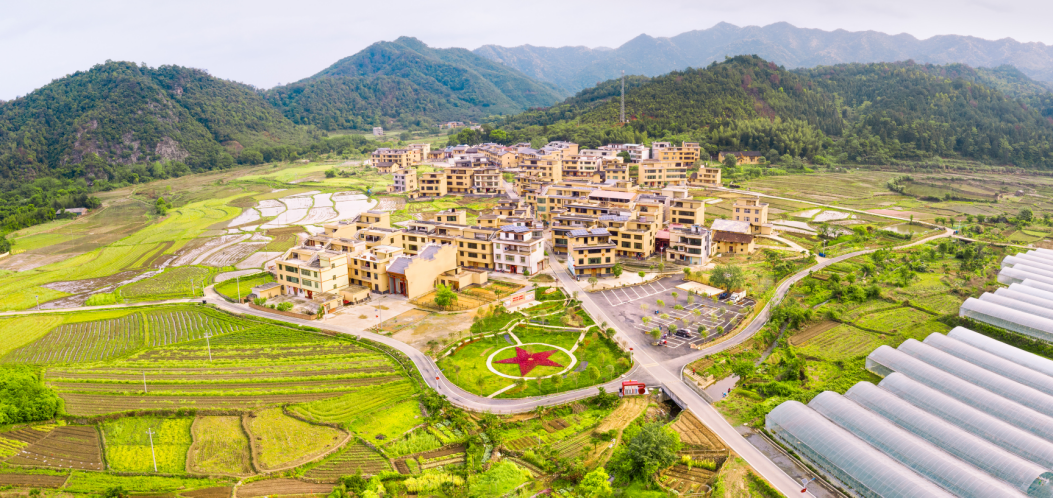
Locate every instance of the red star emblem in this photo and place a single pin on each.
(527, 360)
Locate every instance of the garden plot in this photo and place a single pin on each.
(453, 454)
(356, 456)
(174, 326)
(841, 342)
(233, 254)
(829, 215)
(280, 441)
(247, 216)
(129, 448)
(31, 480)
(620, 418)
(68, 447)
(573, 446)
(282, 487)
(83, 342)
(695, 434)
(686, 480)
(220, 447)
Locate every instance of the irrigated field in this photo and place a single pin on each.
(220, 447)
(281, 441)
(349, 460)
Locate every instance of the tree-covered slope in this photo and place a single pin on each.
(871, 113)
(408, 81)
(120, 113)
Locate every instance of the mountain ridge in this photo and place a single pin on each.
(781, 43)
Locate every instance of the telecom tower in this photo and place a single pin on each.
(623, 97)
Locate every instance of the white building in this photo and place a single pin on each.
(520, 249)
(637, 152)
(378, 131)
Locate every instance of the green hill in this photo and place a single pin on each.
(410, 83)
(117, 113)
(868, 113)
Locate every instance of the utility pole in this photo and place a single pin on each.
(209, 343)
(150, 432)
(193, 292)
(144, 381)
(38, 302)
(238, 280)
(623, 97)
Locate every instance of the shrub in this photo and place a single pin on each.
(286, 306)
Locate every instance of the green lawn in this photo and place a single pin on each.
(230, 288)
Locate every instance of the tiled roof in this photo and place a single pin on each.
(743, 238)
(731, 226)
(399, 265)
(514, 228)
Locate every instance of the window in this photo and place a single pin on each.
(626, 245)
(608, 259)
(638, 237)
(638, 245)
(595, 261)
(736, 210)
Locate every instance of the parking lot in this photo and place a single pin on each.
(629, 305)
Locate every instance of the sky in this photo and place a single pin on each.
(266, 42)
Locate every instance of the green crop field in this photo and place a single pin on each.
(230, 288)
(263, 365)
(220, 447)
(18, 331)
(388, 421)
(417, 441)
(353, 458)
(128, 444)
(360, 403)
(173, 283)
(894, 320)
(178, 324)
(841, 342)
(97, 484)
(83, 342)
(281, 440)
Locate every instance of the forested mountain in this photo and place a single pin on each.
(868, 113)
(119, 113)
(575, 68)
(408, 81)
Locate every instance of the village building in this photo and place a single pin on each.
(520, 249)
(689, 245)
(685, 155)
(732, 237)
(655, 173)
(590, 253)
(752, 210)
(706, 177)
(742, 157)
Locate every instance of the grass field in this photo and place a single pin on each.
(173, 283)
(231, 287)
(128, 444)
(281, 440)
(388, 422)
(220, 447)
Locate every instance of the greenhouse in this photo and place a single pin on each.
(915, 453)
(1037, 262)
(885, 360)
(1037, 285)
(1008, 318)
(1025, 476)
(1002, 350)
(1017, 274)
(1011, 438)
(1018, 305)
(846, 458)
(978, 376)
(993, 363)
(1028, 295)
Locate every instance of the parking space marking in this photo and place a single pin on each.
(608, 298)
(635, 292)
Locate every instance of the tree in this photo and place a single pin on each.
(687, 271)
(24, 398)
(661, 303)
(161, 206)
(651, 449)
(675, 295)
(593, 372)
(1026, 215)
(656, 333)
(690, 298)
(617, 270)
(642, 274)
(593, 281)
(728, 277)
(595, 484)
(730, 161)
(444, 296)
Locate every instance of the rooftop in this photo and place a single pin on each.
(731, 226)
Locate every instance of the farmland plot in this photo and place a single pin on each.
(270, 207)
(571, 447)
(620, 418)
(841, 342)
(171, 283)
(220, 447)
(280, 487)
(128, 447)
(893, 320)
(348, 408)
(177, 325)
(18, 331)
(67, 447)
(251, 369)
(247, 216)
(348, 461)
(83, 342)
(695, 434)
(232, 254)
(282, 441)
(318, 215)
(258, 259)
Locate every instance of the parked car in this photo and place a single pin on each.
(683, 333)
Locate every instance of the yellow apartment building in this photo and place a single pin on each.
(487, 180)
(752, 210)
(405, 181)
(686, 155)
(656, 173)
(687, 212)
(387, 160)
(433, 184)
(732, 237)
(741, 157)
(706, 177)
(690, 245)
(459, 179)
(590, 253)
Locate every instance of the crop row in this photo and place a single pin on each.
(347, 407)
(82, 342)
(170, 327)
(353, 458)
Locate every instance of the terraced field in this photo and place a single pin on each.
(220, 447)
(348, 461)
(281, 441)
(248, 371)
(175, 325)
(67, 447)
(694, 434)
(83, 342)
(129, 447)
(173, 283)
